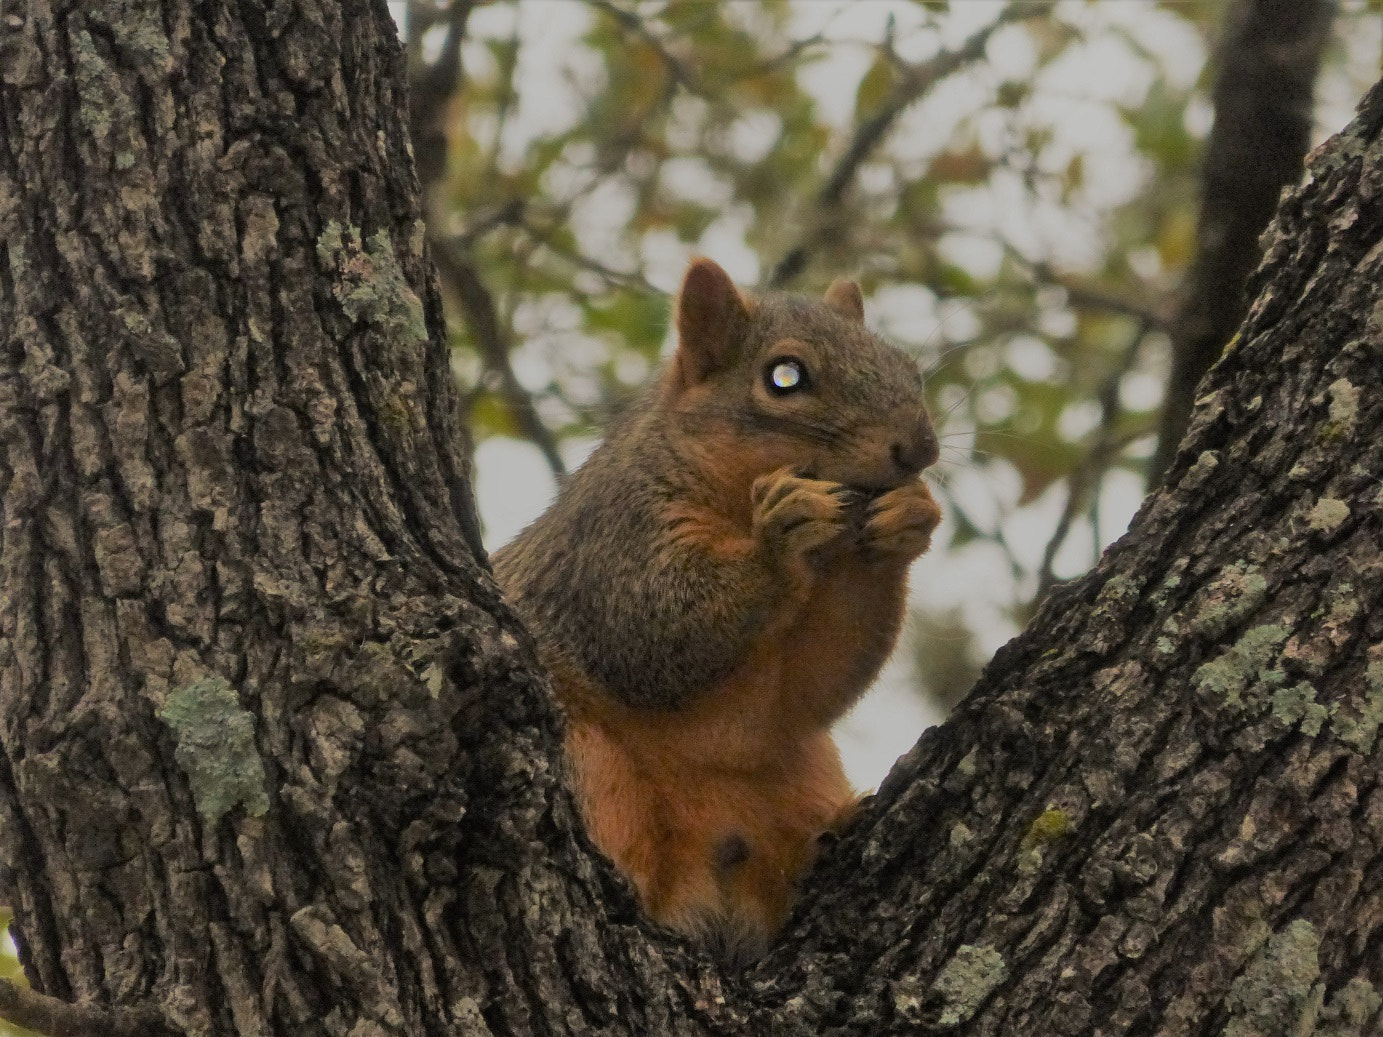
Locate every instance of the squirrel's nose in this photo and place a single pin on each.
(917, 449)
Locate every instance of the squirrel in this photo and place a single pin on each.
(717, 584)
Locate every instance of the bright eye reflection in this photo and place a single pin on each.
(786, 375)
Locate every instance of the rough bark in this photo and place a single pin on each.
(274, 757)
(1266, 64)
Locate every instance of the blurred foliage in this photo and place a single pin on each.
(1020, 223)
(942, 646)
(10, 970)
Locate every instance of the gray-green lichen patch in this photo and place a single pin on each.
(1273, 994)
(1344, 409)
(1239, 591)
(370, 284)
(1170, 583)
(1341, 609)
(1297, 705)
(1247, 670)
(1345, 146)
(1200, 472)
(1115, 603)
(1361, 728)
(101, 100)
(137, 28)
(216, 749)
(1354, 1005)
(1050, 826)
(1121, 591)
(1327, 515)
(966, 980)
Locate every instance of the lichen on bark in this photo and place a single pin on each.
(216, 749)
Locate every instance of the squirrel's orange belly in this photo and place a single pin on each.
(712, 852)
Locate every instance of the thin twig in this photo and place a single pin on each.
(432, 86)
(788, 55)
(1083, 295)
(634, 281)
(504, 107)
(1085, 477)
(47, 1015)
(478, 305)
(636, 25)
(510, 214)
(916, 82)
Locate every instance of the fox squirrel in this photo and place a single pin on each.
(720, 582)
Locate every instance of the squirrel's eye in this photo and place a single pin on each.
(784, 375)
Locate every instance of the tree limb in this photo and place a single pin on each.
(638, 26)
(49, 1016)
(432, 86)
(1268, 58)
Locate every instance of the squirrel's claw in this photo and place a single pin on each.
(793, 515)
(901, 521)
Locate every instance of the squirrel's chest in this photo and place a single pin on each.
(826, 650)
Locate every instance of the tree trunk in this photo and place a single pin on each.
(276, 758)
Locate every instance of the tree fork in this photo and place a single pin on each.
(275, 758)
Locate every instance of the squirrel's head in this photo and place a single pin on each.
(786, 380)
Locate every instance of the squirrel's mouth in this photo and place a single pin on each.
(874, 488)
(865, 484)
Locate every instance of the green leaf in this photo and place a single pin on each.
(875, 85)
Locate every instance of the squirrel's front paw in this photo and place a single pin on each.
(793, 515)
(901, 521)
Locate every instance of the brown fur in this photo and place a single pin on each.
(717, 586)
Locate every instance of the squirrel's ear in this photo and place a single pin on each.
(844, 296)
(711, 317)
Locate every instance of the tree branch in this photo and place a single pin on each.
(478, 304)
(431, 86)
(1268, 58)
(632, 23)
(1083, 481)
(1088, 296)
(916, 82)
(28, 1008)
